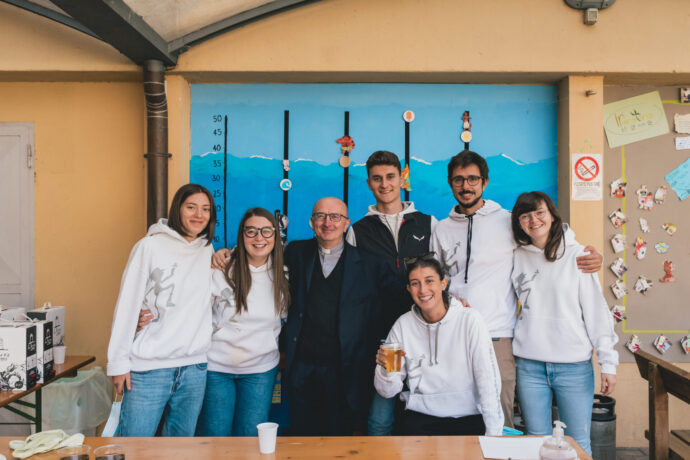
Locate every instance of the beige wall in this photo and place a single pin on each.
(90, 174)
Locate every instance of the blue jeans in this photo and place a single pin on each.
(573, 386)
(381, 415)
(174, 394)
(235, 403)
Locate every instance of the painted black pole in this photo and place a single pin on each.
(407, 156)
(286, 157)
(346, 170)
(225, 182)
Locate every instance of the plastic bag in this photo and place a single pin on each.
(78, 403)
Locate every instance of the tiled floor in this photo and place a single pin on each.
(632, 453)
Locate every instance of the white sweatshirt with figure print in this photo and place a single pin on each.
(171, 277)
(564, 314)
(245, 342)
(450, 367)
(485, 281)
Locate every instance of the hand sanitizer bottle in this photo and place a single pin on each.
(557, 447)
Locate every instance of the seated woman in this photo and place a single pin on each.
(563, 317)
(449, 363)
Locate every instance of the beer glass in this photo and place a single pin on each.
(393, 356)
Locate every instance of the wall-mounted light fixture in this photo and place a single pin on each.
(590, 8)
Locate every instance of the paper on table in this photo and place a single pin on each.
(514, 447)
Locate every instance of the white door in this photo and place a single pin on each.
(17, 215)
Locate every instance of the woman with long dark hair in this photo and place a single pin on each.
(163, 366)
(564, 317)
(251, 300)
(449, 363)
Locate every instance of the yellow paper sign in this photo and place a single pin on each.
(634, 119)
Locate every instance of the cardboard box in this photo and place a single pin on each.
(18, 361)
(44, 350)
(54, 314)
(12, 313)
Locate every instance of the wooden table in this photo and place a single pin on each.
(67, 369)
(356, 447)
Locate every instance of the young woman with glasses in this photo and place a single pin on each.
(251, 300)
(564, 316)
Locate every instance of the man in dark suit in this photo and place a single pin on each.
(330, 336)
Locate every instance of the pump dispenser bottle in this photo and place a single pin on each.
(557, 447)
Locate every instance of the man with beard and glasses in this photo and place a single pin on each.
(475, 247)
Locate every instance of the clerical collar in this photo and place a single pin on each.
(334, 250)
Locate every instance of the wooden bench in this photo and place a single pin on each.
(664, 379)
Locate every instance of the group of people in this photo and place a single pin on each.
(479, 301)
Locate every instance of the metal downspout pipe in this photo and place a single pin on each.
(157, 141)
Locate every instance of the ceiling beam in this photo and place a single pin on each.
(118, 25)
(51, 14)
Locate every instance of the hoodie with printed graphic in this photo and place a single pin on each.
(564, 314)
(171, 277)
(450, 367)
(476, 253)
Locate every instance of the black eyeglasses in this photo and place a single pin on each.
(457, 181)
(413, 260)
(334, 216)
(266, 232)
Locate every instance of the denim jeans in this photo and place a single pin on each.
(235, 403)
(381, 415)
(174, 394)
(573, 386)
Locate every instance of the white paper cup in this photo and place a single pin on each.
(59, 354)
(267, 437)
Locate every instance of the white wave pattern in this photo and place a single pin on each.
(420, 160)
(305, 159)
(520, 163)
(208, 153)
(261, 156)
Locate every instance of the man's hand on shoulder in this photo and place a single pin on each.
(590, 263)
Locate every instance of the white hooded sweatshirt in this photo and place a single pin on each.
(485, 281)
(450, 367)
(245, 342)
(171, 277)
(564, 314)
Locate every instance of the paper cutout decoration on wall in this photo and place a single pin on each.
(679, 180)
(660, 194)
(633, 343)
(643, 284)
(645, 200)
(286, 165)
(618, 188)
(618, 243)
(618, 218)
(346, 144)
(662, 344)
(661, 247)
(685, 344)
(619, 289)
(644, 226)
(668, 272)
(634, 119)
(685, 95)
(669, 228)
(618, 312)
(618, 267)
(640, 248)
(405, 173)
(682, 123)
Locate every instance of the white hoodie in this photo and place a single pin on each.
(488, 288)
(391, 221)
(564, 314)
(171, 277)
(245, 342)
(449, 365)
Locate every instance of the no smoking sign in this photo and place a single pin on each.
(586, 177)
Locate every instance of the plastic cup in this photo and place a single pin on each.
(393, 355)
(110, 452)
(74, 453)
(267, 437)
(59, 354)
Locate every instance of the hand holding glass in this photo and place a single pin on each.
(390, 356)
